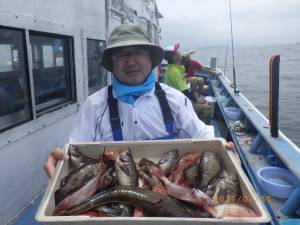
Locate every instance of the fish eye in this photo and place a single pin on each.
(127, 153)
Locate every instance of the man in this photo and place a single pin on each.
(135, 107)
(175, 78)
(191, 65)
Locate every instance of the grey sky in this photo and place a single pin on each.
(206, 22)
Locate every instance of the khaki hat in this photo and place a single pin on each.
(130, 35)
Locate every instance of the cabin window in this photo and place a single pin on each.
(15, 101)
(53, 73)
(96, 73)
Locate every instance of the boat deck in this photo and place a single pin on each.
(223, 128)
(252, 161)
(27, 217)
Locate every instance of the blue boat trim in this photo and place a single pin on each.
(244, 160)
(287, 151)
(263, 144)
(292, 204)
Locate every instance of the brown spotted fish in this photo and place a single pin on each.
(209, 167)
(127, 175)
(77, 159)
(184, 162)
(168, 160)
(228, 189)
(76, 179)
(145, 169)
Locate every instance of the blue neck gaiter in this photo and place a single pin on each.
(129, 94)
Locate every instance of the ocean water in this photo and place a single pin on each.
(252, 79)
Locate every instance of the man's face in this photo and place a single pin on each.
(131, 65)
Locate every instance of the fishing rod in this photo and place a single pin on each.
(225, 64)
(236, 91)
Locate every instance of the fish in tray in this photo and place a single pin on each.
(185, 162)
(154, 203)
(76, 179)
(77, 159)
(82, 182)
(167, 162)
(112, 210)
(173, 187)
(82, 170)
(145, 172)
(210, 166)
(127, 175)
(199, 198)
(126, 169)
(224, 187)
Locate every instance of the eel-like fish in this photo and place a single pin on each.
(153, 203)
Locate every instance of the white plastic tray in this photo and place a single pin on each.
(153, 150)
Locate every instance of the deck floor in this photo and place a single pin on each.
(27, 217)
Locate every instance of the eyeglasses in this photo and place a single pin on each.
(134, 53)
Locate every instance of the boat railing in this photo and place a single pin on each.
(276, 151)
(282, 146)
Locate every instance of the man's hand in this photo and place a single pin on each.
(231, 147)
(50, 164)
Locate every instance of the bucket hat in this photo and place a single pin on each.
(130, 35)
(188, 52)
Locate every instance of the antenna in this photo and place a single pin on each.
(232, 49)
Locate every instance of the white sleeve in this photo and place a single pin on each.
(85, 124)
(190, 126)
(187, 123)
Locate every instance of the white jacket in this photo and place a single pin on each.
(141, 121)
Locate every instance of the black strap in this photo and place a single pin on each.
(114, 115)
(189, 94)
(163, 102)
(115, 119)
